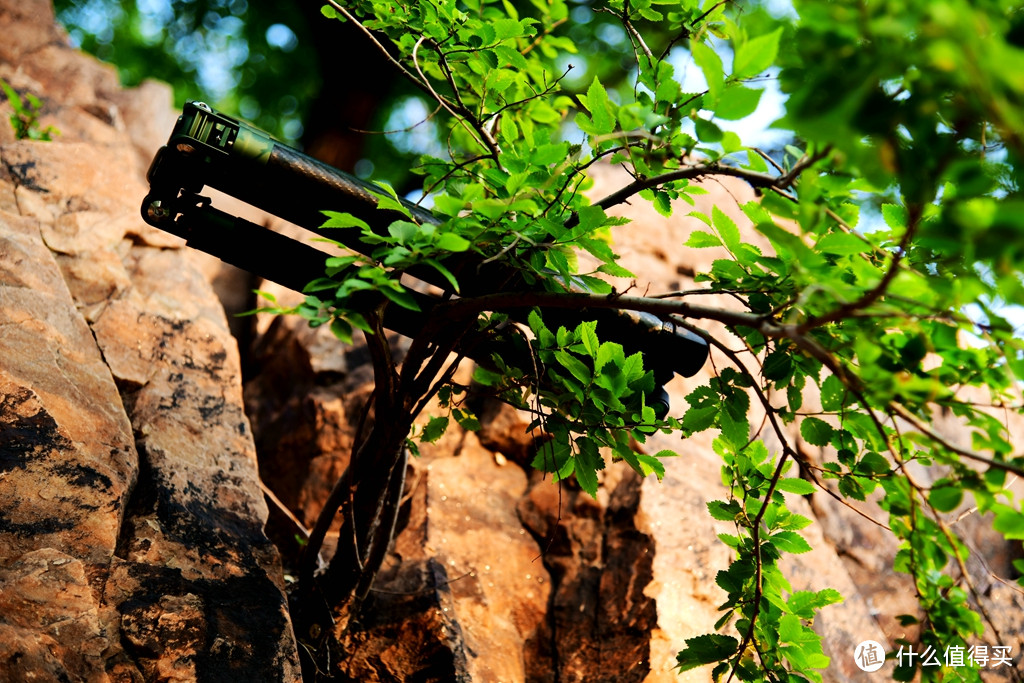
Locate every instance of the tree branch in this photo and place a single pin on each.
(876, 292)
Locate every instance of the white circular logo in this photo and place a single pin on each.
(869, 655)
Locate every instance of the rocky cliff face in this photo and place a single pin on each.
(132, 543)
(131, 522)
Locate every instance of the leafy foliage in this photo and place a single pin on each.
(25, 119)
(244, 57)
(894, 222)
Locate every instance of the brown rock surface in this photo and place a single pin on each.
(131, 526)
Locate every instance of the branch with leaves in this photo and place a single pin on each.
(885, 287)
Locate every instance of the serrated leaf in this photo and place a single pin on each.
(801, 487)
(388, 201)
(608, 352)
(662, 203)
(700, 239)
(600, 107)
(510, 56)
(735, 429)
(588, 462)
(789, 542)
(435, 427)
(726, 228)
(651, 465)
(587, 332)
(615, 270)
(553, 456)
(816, 432)
(833, 394)
(729, 583)
(724, 511)
(699, 419)
(804, 603)
(706, 649)
(895, 216)
(573, 365)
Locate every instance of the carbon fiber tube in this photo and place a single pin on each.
(208, 148)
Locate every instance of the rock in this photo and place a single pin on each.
(131, 529)
(51, 622)
(600, 617)
(466, 594)
(68, 454)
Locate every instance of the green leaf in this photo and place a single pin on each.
(573, 365)
(789, 542)
(723, 511)
(588, 462)
(615, 270)
(706, 130)
(804, 603)
(945, 498)
(554, 456)
(401, 297)
(587, 332)
(756, 55)
(895, 216)
(699, 419)
(662, 203)
(843, 243)
(737, 102)
(340, 219)
(816, 432)
(833, 394)
(700, 239)
(404, 232)
(435, 427)
(706, 649)
(778, 365)
(726, 228)
(711, 65)
(436, 265)
(798, 486)
(388, 201)
(600, 107)
(466, 420)
(651, 465)
(449, 241)
(1009, 522)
